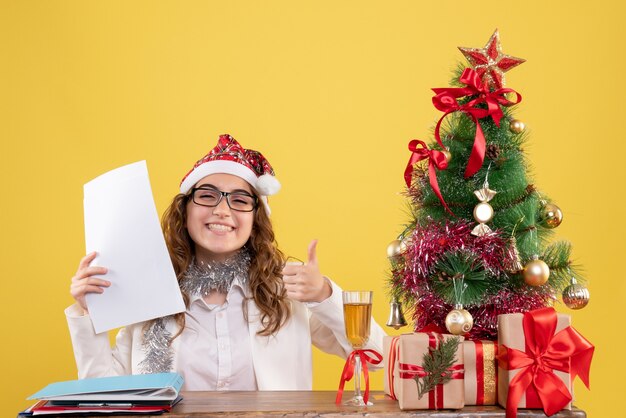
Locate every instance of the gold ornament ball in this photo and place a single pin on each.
(536, 273)
(395, 248)
(448, 155)
(575, 296)
(459, 321)
(516, 126)
(483, 212)
(551, 215)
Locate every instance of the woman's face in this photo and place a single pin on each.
(219, 232)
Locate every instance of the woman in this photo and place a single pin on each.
(250, 319)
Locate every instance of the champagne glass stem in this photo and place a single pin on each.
(357, 377)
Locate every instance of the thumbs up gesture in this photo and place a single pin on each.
(304, 282)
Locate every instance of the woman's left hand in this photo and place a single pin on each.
(304, 282)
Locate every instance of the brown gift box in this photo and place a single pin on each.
(480, 372)
(409, 352)
(388, 341)
(511, 334)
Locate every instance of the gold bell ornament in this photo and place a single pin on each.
(396, 317)
(536, 272)
(575, 296)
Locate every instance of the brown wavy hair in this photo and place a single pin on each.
(265, 278)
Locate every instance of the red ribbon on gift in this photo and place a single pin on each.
(446, 101)
(480, 372)
(410, 371)
(436, 159)
(348, 371)
(567, 351)
(391, 366)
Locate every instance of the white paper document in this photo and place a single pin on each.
(122, 226)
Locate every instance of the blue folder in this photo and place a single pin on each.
(139, 387)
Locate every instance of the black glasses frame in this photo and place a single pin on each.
(224, 195)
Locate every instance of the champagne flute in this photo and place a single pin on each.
(357, 313)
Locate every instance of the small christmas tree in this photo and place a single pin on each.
(477, 244)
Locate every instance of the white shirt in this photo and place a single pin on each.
(215, 347)
(274, 358)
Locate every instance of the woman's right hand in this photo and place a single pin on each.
(83, 281)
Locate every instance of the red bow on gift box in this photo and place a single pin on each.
(567, 351)
(446, 101)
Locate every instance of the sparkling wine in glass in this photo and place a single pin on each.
(357, 311)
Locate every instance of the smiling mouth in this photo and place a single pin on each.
(219, 227)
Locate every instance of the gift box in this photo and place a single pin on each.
(409, 376)
(539, 354)
(480, 372)
(389, 361)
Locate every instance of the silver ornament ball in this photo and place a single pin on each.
(575, 296)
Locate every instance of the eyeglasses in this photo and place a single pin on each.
(239, 201)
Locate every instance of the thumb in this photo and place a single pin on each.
(312, 252)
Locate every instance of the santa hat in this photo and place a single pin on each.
(229, 157)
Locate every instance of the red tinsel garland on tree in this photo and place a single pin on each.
(430, 242)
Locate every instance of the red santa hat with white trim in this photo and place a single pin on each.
(229, 157)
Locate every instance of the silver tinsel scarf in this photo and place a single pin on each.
(202, 278)
(199, 280)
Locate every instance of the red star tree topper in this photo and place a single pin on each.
(490, 63)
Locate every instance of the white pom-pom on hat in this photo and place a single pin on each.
(267, 185)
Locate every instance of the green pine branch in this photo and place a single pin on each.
(437, 364)
(557, 256)
(460, 265)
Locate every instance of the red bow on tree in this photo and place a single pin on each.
(446, 101)
(436, 159)
(567, 351)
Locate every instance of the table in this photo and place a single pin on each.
(320, 404)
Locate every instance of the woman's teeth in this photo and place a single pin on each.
(218, 227)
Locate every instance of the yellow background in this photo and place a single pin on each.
(331, 92)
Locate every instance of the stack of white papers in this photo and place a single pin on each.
(122, 226)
